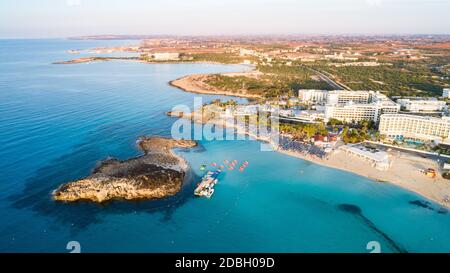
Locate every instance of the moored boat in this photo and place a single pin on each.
(206, 187)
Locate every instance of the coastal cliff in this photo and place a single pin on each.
(157, 174)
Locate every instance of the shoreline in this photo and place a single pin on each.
(403, 173)
(157, 174)
(404, 170)
(137, 60)
(194, 84)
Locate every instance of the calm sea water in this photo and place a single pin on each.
(58, 121)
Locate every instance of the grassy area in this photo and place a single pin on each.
(278, 80)
(252, 86)
(225, 58)
(302, 131)
(399, 79)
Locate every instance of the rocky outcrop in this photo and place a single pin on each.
(157, 174)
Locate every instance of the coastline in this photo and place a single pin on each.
(157, 174)
(403, 173)
(98, 59)
(137, 60)
(194, 84)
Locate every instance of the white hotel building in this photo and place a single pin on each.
(446, 93)
(351, 106)
(422, 106)
(333, 97)
(313, 96)
(424, 128)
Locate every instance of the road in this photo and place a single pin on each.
(328, 80)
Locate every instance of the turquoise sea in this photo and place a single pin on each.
(58, 121)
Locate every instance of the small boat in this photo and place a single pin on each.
(202, 167)
(209, 193)
(214, 164)
(206, 186)
(222, 167)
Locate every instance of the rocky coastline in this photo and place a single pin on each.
(157, 174)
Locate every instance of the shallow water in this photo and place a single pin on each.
(57, 121)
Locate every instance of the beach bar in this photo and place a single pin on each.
(378, 159)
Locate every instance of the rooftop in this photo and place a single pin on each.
(370, 153)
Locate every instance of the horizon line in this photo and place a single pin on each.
(141, 36)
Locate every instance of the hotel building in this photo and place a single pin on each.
(424, 128)
(446, 93)
(355, 106)
(344, 97)
(350, 106)
(313, 96)
(165, 56)
(334, 97)
(418, 106)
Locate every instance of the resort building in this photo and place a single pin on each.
(312, 96)
(354, 106)
(301, 116)
(426, 106)
(413, 127)
(165, 56)
(446, 93)
(334, 97)
(344, 97)
(350, 106)
(377, 158)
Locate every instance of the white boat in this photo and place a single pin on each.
(209, 193)
(206, 186)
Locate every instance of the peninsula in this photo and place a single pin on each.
(159, 173)
(200, 83)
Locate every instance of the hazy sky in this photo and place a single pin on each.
(62, 18)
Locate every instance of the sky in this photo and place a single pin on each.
(67, 18)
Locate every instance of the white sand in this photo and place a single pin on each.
(404, 172)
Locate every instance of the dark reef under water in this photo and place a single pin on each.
(428, 205)
(357, 212)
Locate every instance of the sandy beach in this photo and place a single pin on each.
(196, 84)
(404, 172)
